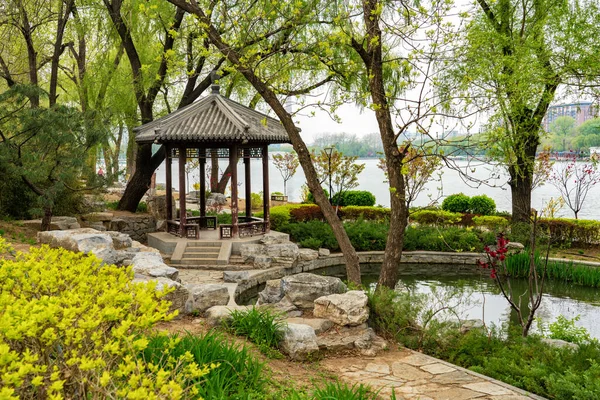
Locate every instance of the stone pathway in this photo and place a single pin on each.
(412, 375)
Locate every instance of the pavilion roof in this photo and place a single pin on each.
(213, 119)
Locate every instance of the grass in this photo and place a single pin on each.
(337, 391)
(239, 375)
(260, 326)
(579, 274)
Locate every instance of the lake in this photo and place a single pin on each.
(491, 181)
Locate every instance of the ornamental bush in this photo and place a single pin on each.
(435, 217)
(491, 222)
(456, 203)
(354, 198)
(482, 205)
(71, 327)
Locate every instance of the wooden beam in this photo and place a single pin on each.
(266, 193)
(233, 160)
(202, 182)
(182, 207)
(169, 183)
(248, 182)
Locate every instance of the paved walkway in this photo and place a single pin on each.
(412, 375)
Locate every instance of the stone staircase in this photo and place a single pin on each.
(194, 254)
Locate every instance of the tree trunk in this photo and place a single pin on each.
(520, 188)
(47, 219)
(224, 181)
(139, 183)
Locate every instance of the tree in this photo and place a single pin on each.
(562, 129)
(286, 164)
(513, 57)
(338, 170)
(574, 180)
(270, 31)
(419, 167)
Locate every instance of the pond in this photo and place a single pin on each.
(485, 300)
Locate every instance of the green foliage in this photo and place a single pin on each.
(378, 214)
(142, 207)
(354, 198)
(310, 198)
(458, 202)
(341, 391)
(435, 217)
(572, 231)
(261, 326)
(315, 230)
(256, 200)
(311, 243)
(565, 329)
(483, 205)
(366, 236)
(491, 222)
(445, 239)
(65, 312)
(579, 274)
(239, 375)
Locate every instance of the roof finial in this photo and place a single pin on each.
(214, 77)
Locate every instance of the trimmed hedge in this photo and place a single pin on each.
(482, 205)
(491, 222)
(379, 214)
(435, 217)
(354, 198)
(458, 202)
(567, 231)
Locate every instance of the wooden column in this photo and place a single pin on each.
(182, 208)
(169, 183)
(247, 182)
(202, 182)
(266, 193)
(233, 160)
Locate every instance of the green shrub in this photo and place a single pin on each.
(311, 243)
(482, 205)
(306, 213)
(367, 236)
(354, 198)
(456, 203)
(238, 375)
(565, 329)
(317, 230)
(341, 391)
(256, 200)
(311, 199)
(444, 239)
(378, 214)
(491, 222)
(259, 325)
(71, 327)
(572, 231)
(435, 217)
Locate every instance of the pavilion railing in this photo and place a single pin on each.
(247, 226)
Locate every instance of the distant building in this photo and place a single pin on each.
(580, 112)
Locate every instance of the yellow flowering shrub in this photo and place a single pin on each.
(72, 328)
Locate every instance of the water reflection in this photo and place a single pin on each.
(487, 303)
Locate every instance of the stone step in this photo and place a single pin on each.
(204, 244)
(195, 261)
(206, 249)
(193, 254)
(236, 259)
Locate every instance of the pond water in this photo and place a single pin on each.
(484, 298)
(373, 180)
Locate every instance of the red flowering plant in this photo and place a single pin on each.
(496, 263)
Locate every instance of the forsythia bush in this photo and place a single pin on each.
(73, 328)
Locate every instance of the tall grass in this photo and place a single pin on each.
(579, 274)
(259, 325)
(238, 376)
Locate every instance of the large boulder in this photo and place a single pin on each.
(307, 254)
(221, 315)
(299, 341)
(349, 308)
(282, 255)
(157, 206)
(57, 223)
(203, 297)
(249, 251)
(303, 289)
(151, 264)
(120, 240)
(84, 240)
(178, 294)
(271, 293)
(272, 238)
(216, 199)
(360, 338)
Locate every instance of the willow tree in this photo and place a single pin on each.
(271, 44)
(517, 56)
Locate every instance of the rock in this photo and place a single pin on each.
(349, 308)
(98, 216)
(560, 343)
(303, 289)
(120, 240)
(515, 246)
(98, 226)
(282, 255)
(137, 246)
(471, 324)
(203, 297)
(307, 254)
(236, 276)
(359, 338)
(221, 315)
(216, 199)
(271, 238)
(157, 207)
(148, 263)
(299, 341)
(320, 325)
(250, 251)
(108, 256)
(271, 293)
(283, 307)
(324, 252)
(262, 262)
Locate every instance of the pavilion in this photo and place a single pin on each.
(215, 126)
